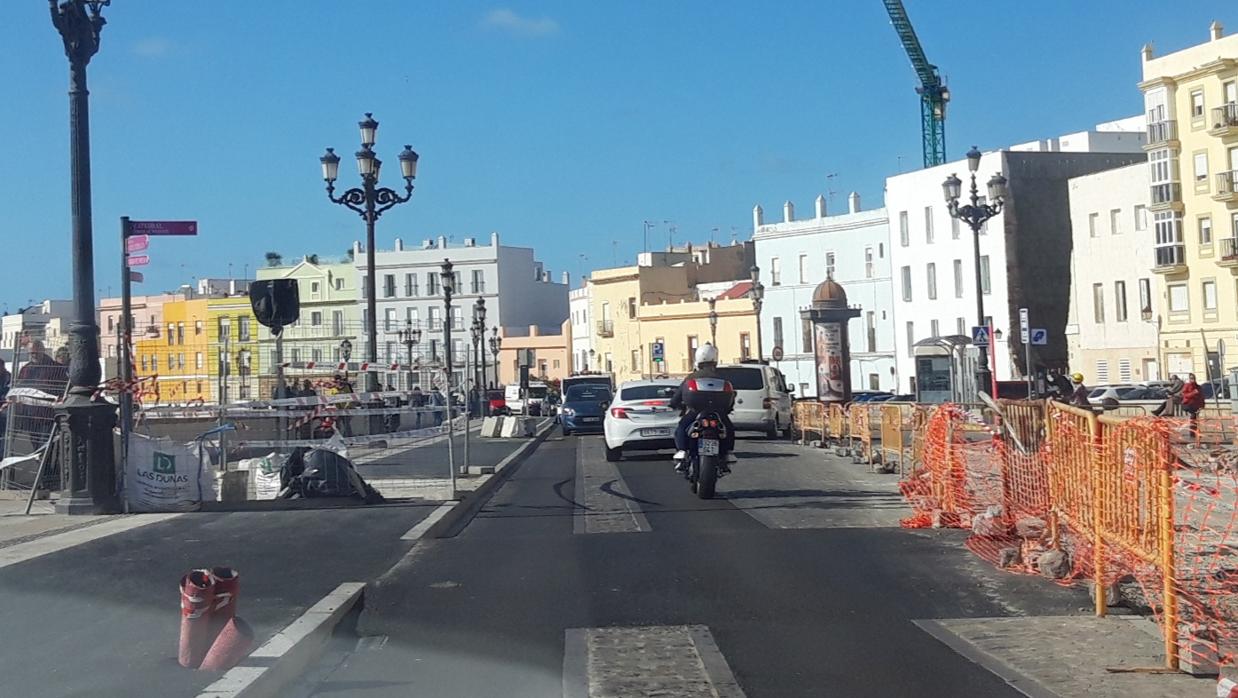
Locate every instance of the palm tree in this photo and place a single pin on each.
(274, 259)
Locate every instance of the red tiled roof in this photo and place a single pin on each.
(739, 290)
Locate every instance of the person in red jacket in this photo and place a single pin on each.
(1192, 402)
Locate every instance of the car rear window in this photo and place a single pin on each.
(647, 392)
(743, 378)
(587, 392)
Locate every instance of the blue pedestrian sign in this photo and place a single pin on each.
(1040, 336)
(980, 335)
(658, 351)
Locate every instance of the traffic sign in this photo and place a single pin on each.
(1039, 336)
(1024, 325)
(980, 335)
(658, 351)
(137, 243)
(776, 353)
(136, 276)
(137, 260)
(163, 227)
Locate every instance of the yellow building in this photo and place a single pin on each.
(660, 299)
(175, 352)
(232, 356)
(1191, 100)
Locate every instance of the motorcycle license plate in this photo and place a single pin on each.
(708, 447)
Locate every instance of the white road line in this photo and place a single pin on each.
(416, 532)
(286, 655)
(671, 660)
(61, 541)
(613, 511)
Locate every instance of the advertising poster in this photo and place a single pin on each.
(830, 367)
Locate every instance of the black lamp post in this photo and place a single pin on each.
(370, 200)
(496, 345)
(479, 341)
(758, 298)
(447, 279)
(409, 337)
(713, 323)
(975, 214)
(87, 420)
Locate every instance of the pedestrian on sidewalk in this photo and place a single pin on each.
(1192, 402)
(417, 401)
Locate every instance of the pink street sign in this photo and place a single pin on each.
(138, 260)
(136, 276)
(137, 243)
(163, 227)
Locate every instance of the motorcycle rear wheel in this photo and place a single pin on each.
(706, 476)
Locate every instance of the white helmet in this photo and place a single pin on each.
(706, 354)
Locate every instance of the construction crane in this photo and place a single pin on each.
(933, 93)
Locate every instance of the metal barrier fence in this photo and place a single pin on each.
(27, 414)
(1140, 506)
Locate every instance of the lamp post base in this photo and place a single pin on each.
(984, 381)
(87, 456)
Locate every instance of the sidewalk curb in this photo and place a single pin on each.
(474, 501)
(283, 659)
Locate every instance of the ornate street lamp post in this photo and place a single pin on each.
(447, 279)
(370, 201)
(975, 215)
(758, 298)
(479, 321)
(496, 345)
(86, 450)
(713, 323)
(409, 337)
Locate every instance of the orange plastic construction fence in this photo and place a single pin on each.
(837, 427)
(1142, 507)
(810, 418)
(861, 432)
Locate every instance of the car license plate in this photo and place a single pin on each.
(586, 420)
(708, 447)
(657, 431)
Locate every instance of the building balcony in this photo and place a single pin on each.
(1224, 121)
(1228, 256)
(1170, 259)
(606, 328)
(1227, 186)
(1166, 196)
(1162, 134)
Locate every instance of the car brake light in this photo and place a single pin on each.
(655, 403)
(618, 413)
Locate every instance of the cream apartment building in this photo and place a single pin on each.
(1191, 100)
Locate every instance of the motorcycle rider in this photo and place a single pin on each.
(706, 367)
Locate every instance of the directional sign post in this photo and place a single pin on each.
(138, 260)
(136, 276)
(163, 227)
(1024, 331)
(1024, 324)
(137, 243)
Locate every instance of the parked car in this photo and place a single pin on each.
(1117, 391)
(1144, 392)
(762, 398)
(584, 407)
(865, 395)
(640, 419)
(498, 403)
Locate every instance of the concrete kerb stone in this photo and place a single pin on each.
(471, 503)
(283, 659)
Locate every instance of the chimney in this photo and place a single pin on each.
(442, 242)
(1146, 52)
(470, 242)
(1216, 30)
(758, 217)
(356, 247)
(567, 281)
(788, 212)
(820, 206)
(853, 202)
(427, 244)
(494, 239)
(535, 331)
(399, 245)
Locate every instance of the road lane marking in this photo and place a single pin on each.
(671, 660)
(68, 539)
(606, 503)
(416, 532)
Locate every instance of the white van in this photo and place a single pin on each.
(762, 398)
(536, 396)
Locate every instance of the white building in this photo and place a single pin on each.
(1025, 251)
(583, 354)
(47, 321)
(518, 292)
(795, 256)
(1112, 331)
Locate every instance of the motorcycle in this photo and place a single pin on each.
(709, 398)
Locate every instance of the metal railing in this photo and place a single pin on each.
(1162, 132)
(606, 328)
(1226, 182)
(1168, 256)
(1166, 193)
(1225, 116)
(1229, 249)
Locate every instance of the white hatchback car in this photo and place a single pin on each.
(640, 419)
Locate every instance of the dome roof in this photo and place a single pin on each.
(829, 294)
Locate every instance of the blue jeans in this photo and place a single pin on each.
(685, 423)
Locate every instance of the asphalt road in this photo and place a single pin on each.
(430, 460)
(583, 578)
(102, 618)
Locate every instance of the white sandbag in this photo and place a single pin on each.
(166, 476)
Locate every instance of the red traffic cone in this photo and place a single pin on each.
(197, 597)
(233, 644)
(223, 608)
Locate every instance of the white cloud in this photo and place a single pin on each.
(153, 46)
(508, 21)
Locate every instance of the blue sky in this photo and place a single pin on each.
(560, 124)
